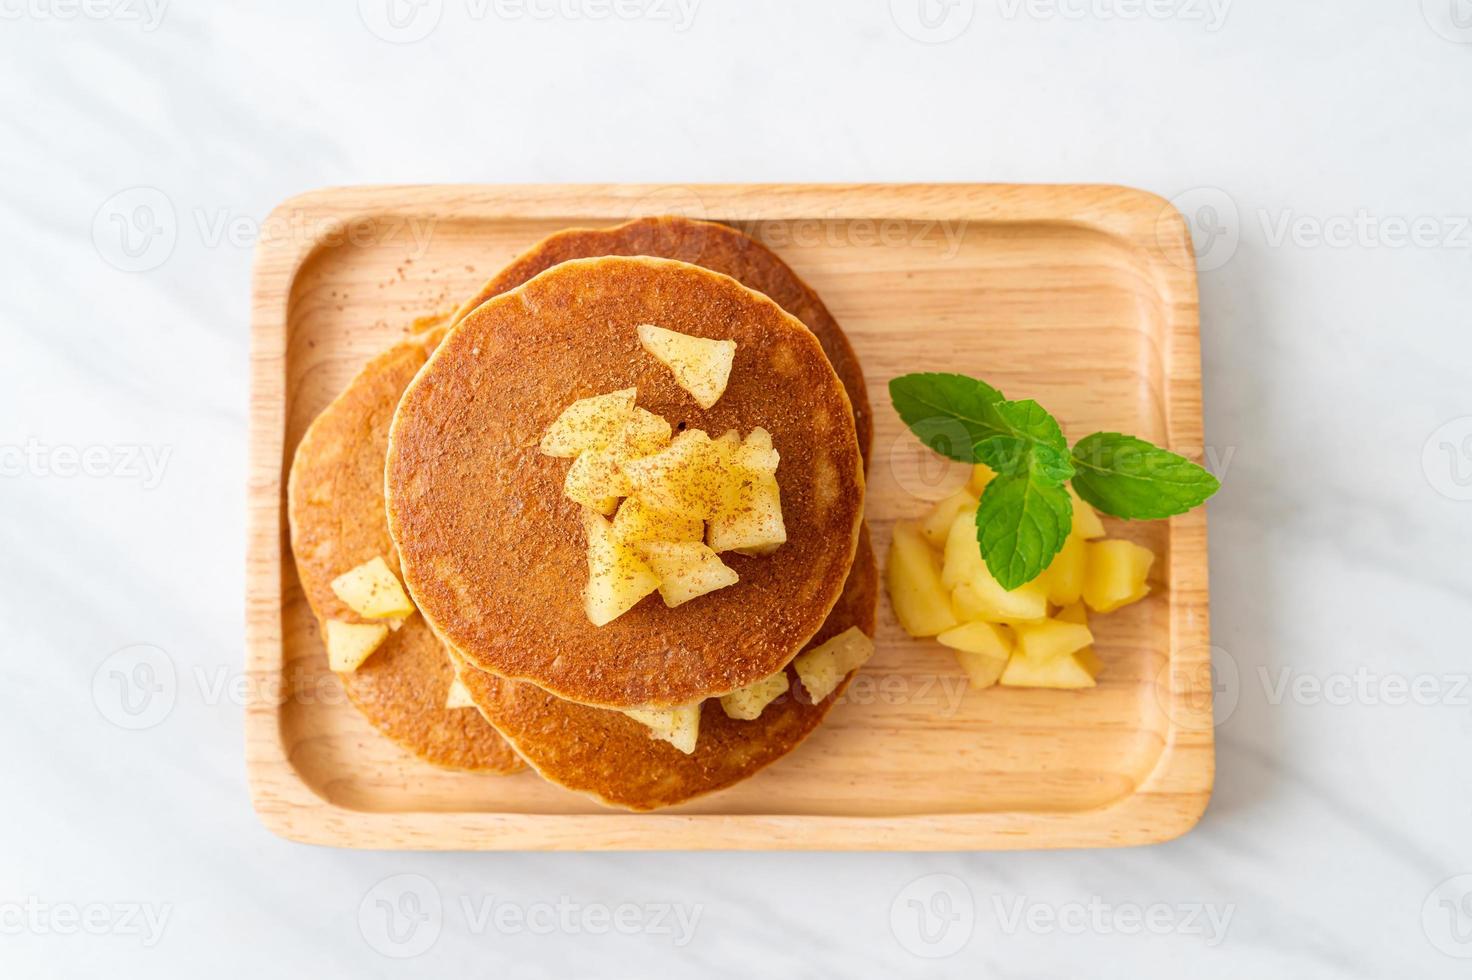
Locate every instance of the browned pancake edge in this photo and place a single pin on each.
(336, 513)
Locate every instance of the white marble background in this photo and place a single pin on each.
(1322, 147)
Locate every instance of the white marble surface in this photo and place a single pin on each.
(1334, 352)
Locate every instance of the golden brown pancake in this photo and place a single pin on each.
(494, 554)
(716, 247)
(335, 507)
(611, 757)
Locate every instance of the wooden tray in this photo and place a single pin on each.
(1083, 297)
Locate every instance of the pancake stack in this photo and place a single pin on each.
(430, 460)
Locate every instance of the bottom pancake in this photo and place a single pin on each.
(336, 512)
(610, 757)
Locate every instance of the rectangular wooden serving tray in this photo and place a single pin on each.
(1083, 297)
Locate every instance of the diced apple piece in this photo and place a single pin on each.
(1074, 612)
(373, 591)
(920, 601)
(458, 696)
(686, 569)
(750, 518)
(749, 702)
(985, 600)
(596, 478)
(981, 475)
(824, 667)
(1070, 671)
(963, 560)
(590, 478)
(1050, 638)
(978, 637)
(756, 452)
(700, 366)
(1116, 574)
(684, 478)
(678, 726)
(1064, 578)
(982, 650)
(638, 521)
(1086, 523)
(617, 577)
(349, 644)
(588, 423)
(937, 524)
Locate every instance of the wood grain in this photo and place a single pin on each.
(1083, 297)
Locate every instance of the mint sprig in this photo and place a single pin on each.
(1026, 513)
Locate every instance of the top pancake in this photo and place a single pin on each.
(335, 507)
(494, 554)
(717, 247)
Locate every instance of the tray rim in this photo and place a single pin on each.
(1167, 803)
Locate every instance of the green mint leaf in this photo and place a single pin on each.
(1021, 524)
(1007, 455)
(950, 413)
(1133, 479)
(1027, 419)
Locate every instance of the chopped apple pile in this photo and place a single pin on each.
(675, 501)
(1036, 635)
(700, 366)
(372, 591)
